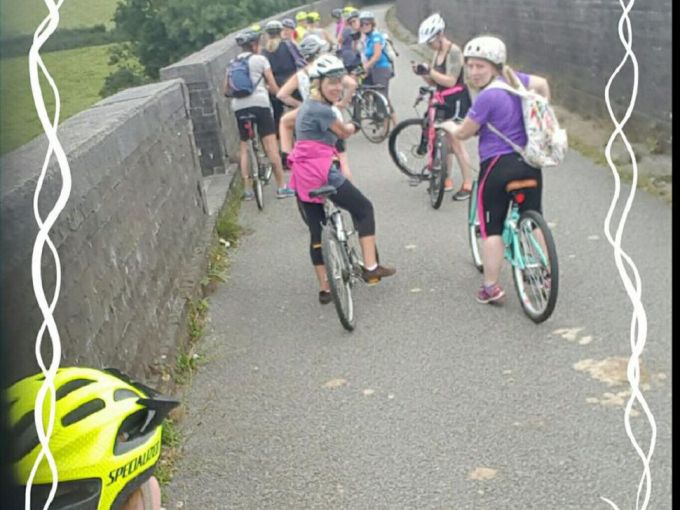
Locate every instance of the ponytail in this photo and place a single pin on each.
(510, 76)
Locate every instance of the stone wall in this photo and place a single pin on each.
(125, 239)
(575, 43)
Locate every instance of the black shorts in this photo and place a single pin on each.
(493, 200)
(259, 115)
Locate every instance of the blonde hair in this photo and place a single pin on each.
(510, 76)
(273, 43)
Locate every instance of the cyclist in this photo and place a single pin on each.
(348, 41)
(301, 28)
(258, 105)
(283, 58)
(336, 14)
(314, 27)
(445, 72)
(288, 31)
(314, 164)
(376, 63)
(485, 58)
(312, 47)
(106, 440)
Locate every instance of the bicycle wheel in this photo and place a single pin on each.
(474, 230)
(537, 282)
(404, 147)
(438, 172)
(339, 276)
(374, 117)
(254, 174)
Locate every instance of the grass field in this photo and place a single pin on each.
(19, 17)
(79, 75)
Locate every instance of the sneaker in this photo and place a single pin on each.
(248, 195)
(285, 192)
(325, 297)
(380, 272)
(488, 295)
(462, 194)
(448, 185)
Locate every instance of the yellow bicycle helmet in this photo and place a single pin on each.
(313, 16)
(301, 16)
(106, 438)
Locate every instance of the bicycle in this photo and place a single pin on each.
(535, 270)
(341, 254)
(260, 168)
(370, 109)
(422, 153)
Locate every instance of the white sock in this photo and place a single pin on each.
(375, 266)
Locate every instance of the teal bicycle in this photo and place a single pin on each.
(529, 247)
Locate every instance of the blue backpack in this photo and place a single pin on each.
(238, 78)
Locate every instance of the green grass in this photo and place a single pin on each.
(79, 75)
(20, 17)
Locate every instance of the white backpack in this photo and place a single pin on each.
(546, 141)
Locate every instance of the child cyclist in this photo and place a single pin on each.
(485, 58)
(314, 164)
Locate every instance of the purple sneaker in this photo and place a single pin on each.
(490, 294)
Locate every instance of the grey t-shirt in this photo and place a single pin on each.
(313, 122)
(260, 97)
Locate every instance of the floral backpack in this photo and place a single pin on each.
(546, 141)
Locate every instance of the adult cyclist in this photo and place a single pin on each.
(314, 164)
(348, 41)
(257, 105)
(376, 64)
(446, 72)
(485, 58)
(106, 440)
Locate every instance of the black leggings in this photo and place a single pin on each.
(347, 197)
(493, 200)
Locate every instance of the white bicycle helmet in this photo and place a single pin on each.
(273, 26)
(367, 16)
(327, 66)
(430, 27)
(487, 47)
(311, 46)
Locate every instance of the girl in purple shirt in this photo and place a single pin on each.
(485, 59)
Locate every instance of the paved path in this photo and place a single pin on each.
(434, 401)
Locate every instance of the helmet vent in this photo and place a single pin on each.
(123, 394)
(26, 437)
(71, 386)
(83, 411)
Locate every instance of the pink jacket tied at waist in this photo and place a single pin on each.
(310, 163)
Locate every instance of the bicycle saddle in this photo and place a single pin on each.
(371, 87)
(323, 191)
(427, 90)
(521, 184)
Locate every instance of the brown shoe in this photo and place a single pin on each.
(380, 272)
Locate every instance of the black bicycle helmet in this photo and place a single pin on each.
(248, 36)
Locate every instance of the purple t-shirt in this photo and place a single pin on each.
(504, 110)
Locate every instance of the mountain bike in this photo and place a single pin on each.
(529, 247)
(260, 168)
(420, 149)
(341, 254)
(371, 109)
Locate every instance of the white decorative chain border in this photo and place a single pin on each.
(35, 62)
(638, 328)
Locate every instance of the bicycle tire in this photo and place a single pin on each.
(438, 172)
(402, 131)
(375, 125)
(536, 305)
(254, 175)
(474, 230)
(339, 276)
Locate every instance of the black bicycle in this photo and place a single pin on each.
(260, 168)
(370, 109)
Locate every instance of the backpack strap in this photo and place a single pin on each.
(521, 92)
(247, 59)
